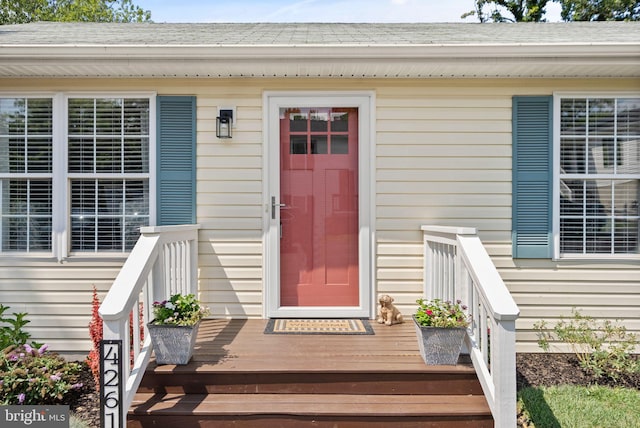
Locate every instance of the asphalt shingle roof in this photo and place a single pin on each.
(424, 50)
(152, 34)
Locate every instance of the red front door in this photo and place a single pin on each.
(319, 219)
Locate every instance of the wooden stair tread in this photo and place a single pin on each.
(310, 404)
(259, 365)
(242, 378)
(313, 383)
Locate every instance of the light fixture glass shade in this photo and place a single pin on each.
(223, 127)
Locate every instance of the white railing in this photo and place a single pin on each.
(163, 262)
(458, 267)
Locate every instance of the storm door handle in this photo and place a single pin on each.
(274, 206)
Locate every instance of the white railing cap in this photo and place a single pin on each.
(173, 228)
(454, 230)
(489, 282)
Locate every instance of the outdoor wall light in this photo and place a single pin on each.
(224, 123)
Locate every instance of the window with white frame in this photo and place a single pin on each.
(599, 175)
(26, 166)
(108, 169)
(105, 147)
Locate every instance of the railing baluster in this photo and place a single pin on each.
(450, 281)
(483, 334)
(185, 267)
(428, 269)
(135, 317)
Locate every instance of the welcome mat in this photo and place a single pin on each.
(318, 326)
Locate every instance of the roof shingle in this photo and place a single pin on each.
(339, 34)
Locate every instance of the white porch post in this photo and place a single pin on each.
(503, 370)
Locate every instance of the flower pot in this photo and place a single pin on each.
(439, 345)
(173, 344)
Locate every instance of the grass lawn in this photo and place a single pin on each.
(580, 407)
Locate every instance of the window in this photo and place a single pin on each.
(598, 178)
(99, 199)
(26, 146)
(318, 131)
(108, 167)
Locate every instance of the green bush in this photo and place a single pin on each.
(11, 332)
(28, 373)
(34, 376)
(602, 348)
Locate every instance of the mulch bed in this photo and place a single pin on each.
(562, 369)
(531, 370)
(84, 403)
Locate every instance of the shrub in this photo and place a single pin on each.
(34, 376)
(11, 332)
(28, 373)
(602, 348)
(95, 332)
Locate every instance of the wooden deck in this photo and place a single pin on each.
(240, 376)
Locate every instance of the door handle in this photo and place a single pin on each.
(274, 205)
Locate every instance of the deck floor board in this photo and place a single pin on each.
(241, 345)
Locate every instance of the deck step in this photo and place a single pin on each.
(455, 382)
(240, 377)
(299, 410)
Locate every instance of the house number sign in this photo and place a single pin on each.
(111, 383)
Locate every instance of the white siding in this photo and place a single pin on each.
(443, 156)
(56, 297)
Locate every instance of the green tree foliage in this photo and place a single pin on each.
(572, 10)
(518, 10)
(23, 11)
(600, 10)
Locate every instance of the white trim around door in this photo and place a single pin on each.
(272, 103)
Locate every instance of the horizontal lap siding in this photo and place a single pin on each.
(547, 291)
(443, 156)
(230, 207)
(57, 298)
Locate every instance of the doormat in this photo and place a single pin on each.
(318, 326)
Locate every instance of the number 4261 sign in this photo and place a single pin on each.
(111, 383)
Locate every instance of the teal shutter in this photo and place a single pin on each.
(176, 160)
(532, 176)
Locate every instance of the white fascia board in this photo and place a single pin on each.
(598, 60)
